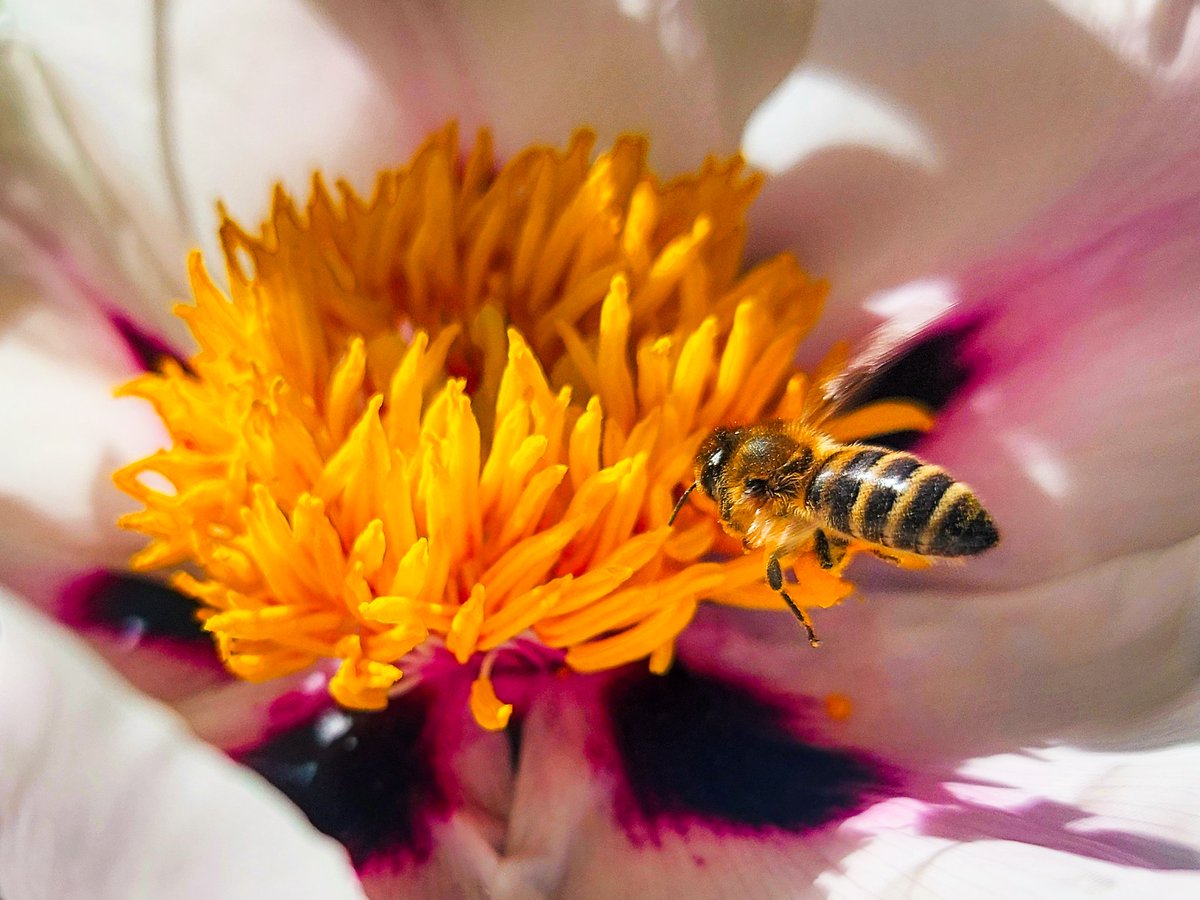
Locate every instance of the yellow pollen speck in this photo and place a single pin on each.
(838, 707)
(456, 412)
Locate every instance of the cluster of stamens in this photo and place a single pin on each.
(459, 412)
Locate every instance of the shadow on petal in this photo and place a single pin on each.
(1048, 824)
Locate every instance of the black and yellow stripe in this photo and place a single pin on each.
(892, 498)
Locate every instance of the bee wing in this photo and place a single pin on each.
(845, 376)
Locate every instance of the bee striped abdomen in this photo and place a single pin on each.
(839, 480)
(894, 499)
(909, 521)
(889, 479)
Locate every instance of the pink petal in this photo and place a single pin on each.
(61, 359)
(103, 794)
(61, 355)
(943, 671)
(1077, 430)
(903, 865)
(1156, 37)
(149, 634)
(463, 865)
(1076, 822)
(1064, 821)
(912, 140)
(1078, 427)
(418, 793)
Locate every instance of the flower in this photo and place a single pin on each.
(1073, 633)
(576, 331)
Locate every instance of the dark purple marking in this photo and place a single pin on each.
(366, 779)
(138, 611)
(932, 372)
(515, 734)
(149, 350)
(696, 750)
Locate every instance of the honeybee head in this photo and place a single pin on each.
(711, 459)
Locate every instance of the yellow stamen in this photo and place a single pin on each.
(457, 412)
(489, 710)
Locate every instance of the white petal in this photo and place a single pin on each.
(176, 104)
(285, 94)
(66, 433)
(686, 73)
(103, 794)
(1152, 794)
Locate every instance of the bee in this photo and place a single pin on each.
(782, 485)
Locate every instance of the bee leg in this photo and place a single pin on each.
(775, 580)
(821, 546)
(830, 550)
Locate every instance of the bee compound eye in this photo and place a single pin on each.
(710, 473)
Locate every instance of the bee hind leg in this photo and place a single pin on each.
(775, 580)
(830, 550)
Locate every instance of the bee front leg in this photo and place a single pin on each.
(775, 580)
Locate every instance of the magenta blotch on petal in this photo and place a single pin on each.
(148, 349)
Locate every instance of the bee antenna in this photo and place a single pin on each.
(682, 500)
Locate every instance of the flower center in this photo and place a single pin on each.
(458, 413)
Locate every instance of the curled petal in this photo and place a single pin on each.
(58, 197)
(140, 84)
